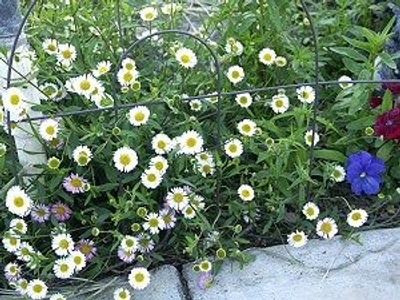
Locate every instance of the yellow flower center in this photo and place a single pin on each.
(232, 148)
(15, 99)
(235, 74)
(191, 142)
(279, 103)
(243, 100)
(207, 169)
(159, 166)
(13, 241)
(85, 85)
(139, 116)
(153, 222)
(63, 244)
(19, 201)
(122, 294)
(161, 144)
(185, 58)
(356, 216)
(267, 56)
(139, 277)
(50, 130)
(178, 198)
(246, 193)
(297, 237)
(130, 243)
(326, 227)
(128, 77)
(67, 54)
(76, 182)
(37, 288)
(310, 211)
(52, 47)
(64, 268)
(149, 16)
(125, 159)
(78, 260)
(246, 128)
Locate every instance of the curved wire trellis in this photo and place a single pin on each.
(317, 84)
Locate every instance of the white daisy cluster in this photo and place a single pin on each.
(233, 47)
(205, 163)
(269, 57)
(87, 86)
(153, 175)
(15, 102)
(65, 53)
(82, 155)
(128, 73)
(53, 92)
(189, 143)
(171, 8)
(185, 201)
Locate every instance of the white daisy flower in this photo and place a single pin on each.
(139, 278)
(58, 296)
(82, 155)
(62, 244)
(310, 210)
(151, 178)
(25, 252)
(168, 217)
(306, 94)
(161, 143)
(78, 260)
(102, 68)
(122, 294)
(128, 64)
(22, 286)
(197, 202)
(308, 137)
(66, 54)
(18, 202)
(13, 99)
(206, 168)
(129, 243)
(195, 105)
(189, 212)
(12, 271)
(235, 74)
(342, 82)
(148, 14)
(247, 127)
(186, 58)
(246, 192)
(233, 148)
(244, 100)
(48, 129)
(11, 241)
(267, 56)
(154, 223)
(177, 198)
(204, 157)
(125, 159)
(19, 225)
(280, 61)
(297, 239)
(127, 77)
(338, 174)
(50, 46)
(63, 268)
(233, 47)
(36, 289)
(280, 103)
(327, 228)
(159, 163)
(170, 8)
(84, 85)
(190, 142)
(139, 115)
(357, 218)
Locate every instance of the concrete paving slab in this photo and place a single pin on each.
(322, 270)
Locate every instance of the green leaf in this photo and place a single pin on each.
(388, 60)
(385, 152)
(387, 102)
(361, 123)
(350, 53)
(352, 66)
(358, 44)
(331, 155)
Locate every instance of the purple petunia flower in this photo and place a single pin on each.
(363, 173)
(40, 213)
(205, 280)
(61, 211)
(87, 248)
(74, 184)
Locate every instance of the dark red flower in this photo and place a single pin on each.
(388, 124)
(393, 87)
(375, 101)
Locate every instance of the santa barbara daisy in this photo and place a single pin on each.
(177, 198)
(310, 210)
(62, 244)
(188, 212)
(206, 168)
(125, 159)
(159, 163)
(246, 192)
(234, 47)
(22, 286)
(25, 252)
(309, 136)
(63, 268)
(12, 271)
(306, 94)
(84, 85)
(168, 216)
(127, 256)
(36, 289)
(327, 228)
(267, 56)
(66, 54)
(61, 211)
(127, 77)
(244, 100)
(102, 68)
(357, 217)
(186, 58)
(280, 103)
(74, 184)
(139, 115)
(87, 247)
(129, 243)
(57, 296)
(48, 129)
(247, 127)
(151, 178)
(235, 74)
(128, 64)
(122, 294)
(195, 105)
(19, 226)
(13, 99)
(280, 61)
(233, 148)
(78, 260)
(170, 8)
(18, 202)
(82, 155)
(40, 213)
(205, 266)
(139, 278)
(297, 239)
(50, 46)
(161, 143)
(190, 142)
(11, 241)
(148, 14)
(146, 243)
(154, 223)
(338, 174)
(343, 82)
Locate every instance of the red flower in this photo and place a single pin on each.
(388, 124)
(375, 101)
(393, 87)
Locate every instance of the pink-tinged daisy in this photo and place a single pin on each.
(205, 280)
(87, 247)
(127, 256)
(74, 184)
(12, 271)
(61, 211)
(40, 213)
(145, 243)
(168, 215)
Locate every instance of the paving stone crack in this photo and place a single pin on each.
(187, 294)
